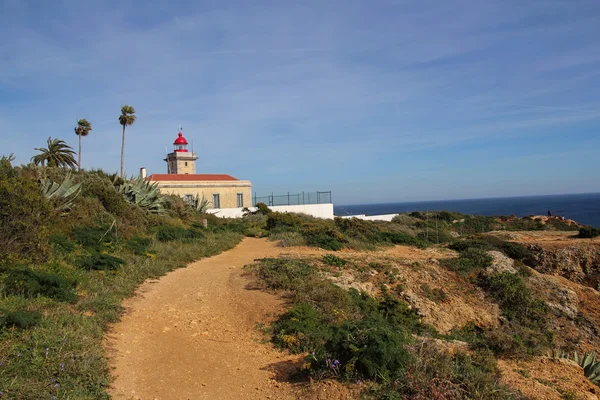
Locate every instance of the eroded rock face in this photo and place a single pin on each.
(547, 378)
(501, 263)
(578, 263)
(559, 298)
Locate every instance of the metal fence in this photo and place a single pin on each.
(293, 199)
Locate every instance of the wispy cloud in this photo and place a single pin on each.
(273, 91)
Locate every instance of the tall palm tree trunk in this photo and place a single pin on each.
(79, 155)
(122, 151)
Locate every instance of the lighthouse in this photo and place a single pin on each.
(181, 161)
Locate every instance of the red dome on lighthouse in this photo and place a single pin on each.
(180, 139)
(180, 143)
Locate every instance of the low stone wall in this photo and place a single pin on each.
(316, 210)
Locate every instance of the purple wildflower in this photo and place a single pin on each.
(56, 385)
(62, 367)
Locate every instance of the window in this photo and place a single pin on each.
(216, 200)
(240, 200)
(186, 163)
(188, 198)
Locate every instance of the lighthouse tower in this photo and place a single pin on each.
(181, 161)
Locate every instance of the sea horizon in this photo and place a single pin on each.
(581, 207)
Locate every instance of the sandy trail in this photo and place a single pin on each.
(191, 335)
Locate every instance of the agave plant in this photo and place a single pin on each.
(198, 204)
(591, 367)
(142, 193)
(60, 194)
(587, 361)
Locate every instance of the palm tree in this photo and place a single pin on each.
(58, 154)
(83, 128)
(126, 118)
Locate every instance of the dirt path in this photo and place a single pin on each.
(191, 335)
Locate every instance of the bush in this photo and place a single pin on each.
(436, 374)
(263, 209)
(404, 239)
(516, 251)
(470, 260)
(283, 274)
(515, 298)
(288, 239)
(323, 234)
(301, 329)
(30, 283)
(168, 233)
(367, 348)
(588, 232)
(93, 237)
(24, 216)
(101, 262)
(355, 228)
(283, 221)
(332, 260)
(62, 242)
(98, 185)
(139, 245)
(22, 319)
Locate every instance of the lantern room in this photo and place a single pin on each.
(181, 161)
(180, 144)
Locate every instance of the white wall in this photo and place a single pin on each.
(316, 210)
(384, 217)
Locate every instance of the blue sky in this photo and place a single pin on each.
(377, 101)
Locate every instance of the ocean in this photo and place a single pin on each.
(583, 208)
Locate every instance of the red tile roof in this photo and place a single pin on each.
(191, 177)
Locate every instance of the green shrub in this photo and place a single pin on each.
(30, 283)
(301, 329)
(355, 228)
(25, 215)
(100, 262)
(330, 259)
(588, 232)
(404, 219)
(168, 233)
(283, 221)
(263, 209)
(139, 245)
(470, 260)
(100, 187)
(369, 348)
(435, 374)
(21, 319)
(279, 273)
(323, 241)
(93, 237)
(404, 239)
(232, 226)
(515, 298)
(323, 234)
(62, 242)
(288, 239)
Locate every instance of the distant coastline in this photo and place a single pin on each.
(583, 207)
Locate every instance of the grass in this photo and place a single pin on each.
(72, 334)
